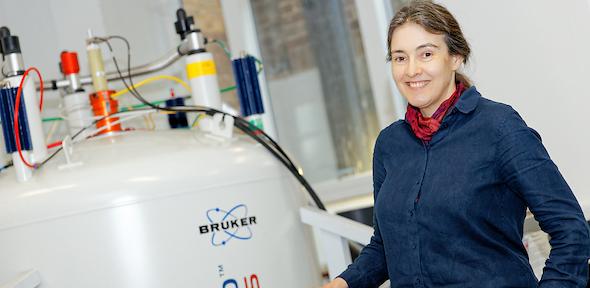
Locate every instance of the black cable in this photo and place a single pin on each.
(239, 122)
(136, 93)
(84, 129)
(50, 157)
(267, 137)
(290, 166)
(138, 96)
(131, 89)
(10, 164)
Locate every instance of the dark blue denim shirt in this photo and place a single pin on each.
(450, 213)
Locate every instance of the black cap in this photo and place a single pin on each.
(183, 23)
(8, 43)
(4, 32)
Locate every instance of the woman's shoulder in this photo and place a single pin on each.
(492, 107)
(392, 135)
(395, 127)
(503, 118)
(394, 130)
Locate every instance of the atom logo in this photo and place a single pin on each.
(228, 225)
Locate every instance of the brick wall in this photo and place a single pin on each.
(282, 35)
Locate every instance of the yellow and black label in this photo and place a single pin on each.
(201, 68)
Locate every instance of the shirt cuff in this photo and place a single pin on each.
(353, 278)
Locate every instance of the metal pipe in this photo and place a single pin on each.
(159, 64)
(15, 64)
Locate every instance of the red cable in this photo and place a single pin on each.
(17, 106)
(54, 144)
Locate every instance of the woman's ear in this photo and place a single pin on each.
(457, 60)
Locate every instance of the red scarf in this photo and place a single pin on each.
(425, 127)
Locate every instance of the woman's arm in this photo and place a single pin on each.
(529, 171)
(370, 269)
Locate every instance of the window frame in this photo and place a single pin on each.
(373, 16)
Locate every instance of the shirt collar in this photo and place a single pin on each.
(468, 100)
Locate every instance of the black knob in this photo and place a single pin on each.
(183, 23)
(4, 32)
(10, 45)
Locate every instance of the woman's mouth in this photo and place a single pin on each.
(417, 84)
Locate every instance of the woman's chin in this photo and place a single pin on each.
(417, 102)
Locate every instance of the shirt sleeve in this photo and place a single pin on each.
(369, 270)
(528, 170)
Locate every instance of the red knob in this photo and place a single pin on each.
(69, 63)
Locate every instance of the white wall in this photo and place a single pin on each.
(46, 28)
(533, 55)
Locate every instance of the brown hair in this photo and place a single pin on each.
(435, 19)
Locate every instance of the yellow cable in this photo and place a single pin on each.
(151, 79)
(199, 116)
(167, 112)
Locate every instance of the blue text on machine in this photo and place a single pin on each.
(225, 225)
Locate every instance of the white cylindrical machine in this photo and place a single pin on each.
(22, 172)
(200, 67)
(3, 156)
(155, 210)
(202, 75)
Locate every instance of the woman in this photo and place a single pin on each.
(452, 181)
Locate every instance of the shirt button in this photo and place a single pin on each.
(411, 213)
(413, 245)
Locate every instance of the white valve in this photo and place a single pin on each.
(218, 126)
(68, 150)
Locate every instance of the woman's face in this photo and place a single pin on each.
(422, 67)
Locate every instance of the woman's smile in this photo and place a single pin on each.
(417, 84)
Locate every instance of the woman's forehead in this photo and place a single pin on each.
(411, 36)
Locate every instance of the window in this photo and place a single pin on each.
(319, 86)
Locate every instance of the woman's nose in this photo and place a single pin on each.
(413, 68)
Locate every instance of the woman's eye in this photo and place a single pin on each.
(427, 54)
(399, 59)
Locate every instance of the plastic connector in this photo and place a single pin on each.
(218, 127)
(68, 149)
